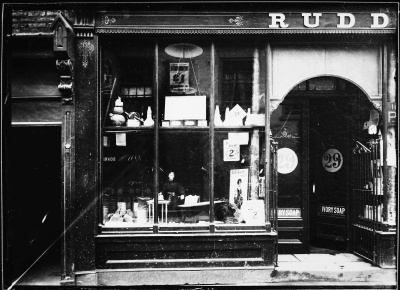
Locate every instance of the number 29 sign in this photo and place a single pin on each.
(332, 160)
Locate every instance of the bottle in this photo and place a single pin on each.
(217, 117)
(149, 122)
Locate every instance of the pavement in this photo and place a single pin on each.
(300, 271)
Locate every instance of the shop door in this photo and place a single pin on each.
(329, 170)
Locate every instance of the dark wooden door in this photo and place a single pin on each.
(329, 168)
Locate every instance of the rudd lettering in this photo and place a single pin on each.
(344, 20)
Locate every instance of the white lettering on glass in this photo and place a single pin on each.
(278, 17)
(375, 21)
(306, 17)
(342, 20)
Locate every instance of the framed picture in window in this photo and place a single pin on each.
(238, 186)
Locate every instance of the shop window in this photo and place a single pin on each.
(156, 139)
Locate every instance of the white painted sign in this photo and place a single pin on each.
(332, 160)
(231, 151)
(287, 160)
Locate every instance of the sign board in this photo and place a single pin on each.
(253, 212)
(185, 108)
(231, 151)
(238, 185)
(289, 213)
(332, 160)
(392, 114)
(333, 210)
(302, 21)
(179, 76)
(287, 160)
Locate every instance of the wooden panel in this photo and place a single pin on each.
(35, 78)
(211, 250)
(32, 110)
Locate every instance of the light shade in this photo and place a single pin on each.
(183, 50)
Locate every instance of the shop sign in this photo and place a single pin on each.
(289, 213)
(231, 151)
(287, 160)
(332, 160)
(335, 210)
(274, 21)
(392, 114)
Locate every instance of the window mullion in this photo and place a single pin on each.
(156, 140)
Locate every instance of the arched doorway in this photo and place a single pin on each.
(319, 121)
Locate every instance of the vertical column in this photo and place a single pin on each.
(391, 199)
(64, 52)
(255, 136)
(86, 194)
(268, 94)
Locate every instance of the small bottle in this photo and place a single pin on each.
(149, 122)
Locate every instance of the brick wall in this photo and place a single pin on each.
(36, 21)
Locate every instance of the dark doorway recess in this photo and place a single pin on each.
(33, 201)
(321, 120)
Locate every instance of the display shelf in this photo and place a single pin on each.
(125, 129)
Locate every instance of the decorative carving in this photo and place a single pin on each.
(61, 29)
(63, 33)
(65, 87)
(238, 20)
(235, 31)
(86, 49)
(107, 20)
(64, 66)
(284, 133)
(377, 105)
(84, 24)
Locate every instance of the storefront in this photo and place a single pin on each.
(221, 136)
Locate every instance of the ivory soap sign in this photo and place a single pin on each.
(231, 151)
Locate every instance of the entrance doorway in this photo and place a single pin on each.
(33, 201)
(320, 120)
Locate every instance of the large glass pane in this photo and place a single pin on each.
(239, 180)
(128, 105)
(184, 82)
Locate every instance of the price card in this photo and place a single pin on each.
(231, 151)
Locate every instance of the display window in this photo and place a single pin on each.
(183, 136)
